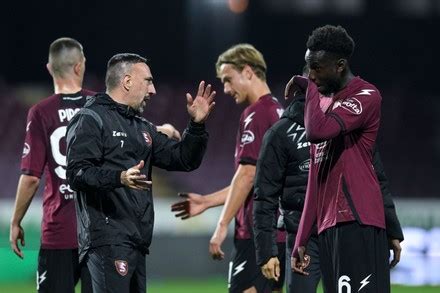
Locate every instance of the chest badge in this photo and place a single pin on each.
(147, 138)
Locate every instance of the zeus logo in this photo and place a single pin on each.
(238, 269)
(365, 92)
(248, 119)
(364, 282)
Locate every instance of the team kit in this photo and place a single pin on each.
(309, 197)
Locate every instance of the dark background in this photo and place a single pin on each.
(396, 46)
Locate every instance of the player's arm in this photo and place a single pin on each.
(184, 155)
(268, 187)
(194, 204)
(85, 152)
(240, 187)
(170, 131)
(299, 259)
(347, 115)
(27, 186)
(393, 228)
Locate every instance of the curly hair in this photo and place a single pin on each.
(241, 55)
(334, 39)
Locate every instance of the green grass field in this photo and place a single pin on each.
(195, 286)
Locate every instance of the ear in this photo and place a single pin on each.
(49, 68)
(77, 68)
(341, 65)
(127, 82)
(248, 72)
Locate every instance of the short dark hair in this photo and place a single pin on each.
(63, 54)
(333, 39)
(118, 66)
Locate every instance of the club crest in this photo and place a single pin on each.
(121, 267)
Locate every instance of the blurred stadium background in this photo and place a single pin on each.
(396, 49)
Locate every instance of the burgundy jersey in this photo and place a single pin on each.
(45, 150)
(342, 183)
(255, 120)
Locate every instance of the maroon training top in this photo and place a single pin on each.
(255, 120)
(45, 149)
(342, 183)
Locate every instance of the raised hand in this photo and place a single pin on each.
(134, 179)
(200, 107)
(192, 205)
(296, 85)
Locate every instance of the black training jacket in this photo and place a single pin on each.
(281, 181)
(104, 139)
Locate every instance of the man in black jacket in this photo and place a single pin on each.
(281, 179)
(110, 153)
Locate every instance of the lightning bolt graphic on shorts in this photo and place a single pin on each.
(40, 279)
(364, 282)
(239, 268)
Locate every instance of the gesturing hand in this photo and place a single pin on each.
(134, 179)
(200, 107)
(192, 205)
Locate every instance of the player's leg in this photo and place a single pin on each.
(297, 283)
(244, 273)
(354, 257)
(81, 272)
(111, 268)
(139, 279)
(55, 271)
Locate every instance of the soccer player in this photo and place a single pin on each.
(343, 194)
(242, 70)
(281, 180)
(110, 153)
(44, 152)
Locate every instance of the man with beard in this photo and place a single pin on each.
(110, 154)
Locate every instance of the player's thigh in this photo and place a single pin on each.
(111, 268)
(55, 271)
(355, 257)
(244, 273)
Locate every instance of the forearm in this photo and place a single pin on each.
(26, 189)
(93, 178)
(217, 198)
(319, 125)
(240, 188)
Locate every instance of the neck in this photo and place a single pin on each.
(66, 86)
(118, 97)
(257, 90)
(346, 79)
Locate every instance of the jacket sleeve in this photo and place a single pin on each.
(185, 155)
(394, 230)
(85, 155)
(268, 188)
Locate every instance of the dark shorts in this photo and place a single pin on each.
(278, 286)
(354, 257)
(297, 283)
(244, 273)
(117, 269)
(59, 271)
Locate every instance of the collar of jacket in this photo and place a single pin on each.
(295, 111)
(104, 99)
